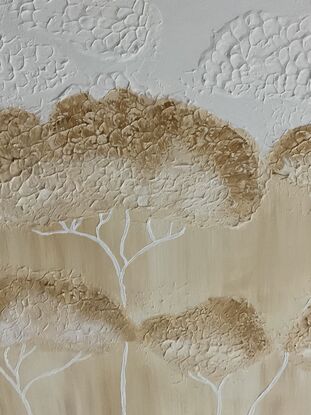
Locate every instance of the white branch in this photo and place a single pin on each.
(123, 379)
(7, 362)
(265, 392)
(171, 228)
(75, 224)
(25, 355)
(97, 239)
(77, 358)
(219, 396)
(150, 231)
(21, 358)
(120, 269)
(124, 236)
(217, 390)
(206, 381)
(156, 242)
(50, 232)
(14, 379)
(18, 391)
(7, 377)
(105, 217)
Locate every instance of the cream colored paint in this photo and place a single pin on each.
(51, 49)
(247, 63)
(266, 261)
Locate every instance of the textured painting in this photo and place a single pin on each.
(155, 199)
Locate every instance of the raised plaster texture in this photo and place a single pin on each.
(291, 156)
(27, 67)
(57, 309)
(52, 49)
(212, 340)
(99, 46)
(298, 340)
(259, 54)
(106, 29)
(256, 66)
(126, 150)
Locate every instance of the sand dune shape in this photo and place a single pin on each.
(213, 339)
(126, 150)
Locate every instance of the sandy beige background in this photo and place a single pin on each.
(267, 261)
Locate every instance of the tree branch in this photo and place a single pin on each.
(265, 392)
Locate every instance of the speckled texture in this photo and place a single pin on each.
(259, 54)
(213, 339)
(56, 309)
(29, 67)
(291, 156)
(126, 150)
(144, 148)
(106, 29)
(298, 340)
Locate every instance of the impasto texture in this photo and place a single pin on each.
(126, 150)
(155, 207)
(260, 54)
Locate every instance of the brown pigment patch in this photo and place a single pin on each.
(291, 156)
(126, 150)
(298, 340)
(213, 339)
(57, 309)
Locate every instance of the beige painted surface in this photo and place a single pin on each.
(267, 261)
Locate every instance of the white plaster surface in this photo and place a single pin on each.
(248, 62)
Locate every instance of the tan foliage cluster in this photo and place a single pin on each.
(129, 150)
